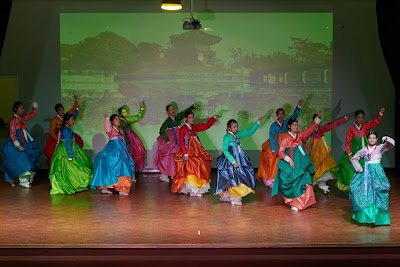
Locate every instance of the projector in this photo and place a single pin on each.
(192, 24)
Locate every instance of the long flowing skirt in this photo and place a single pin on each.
(238, 182)
(345, 170)
(164, 158)
(193, 175)
(68, 177)
(267, 168)
(136, 149)
(16, 162)
(323, 161)
(51, 143)
(295, 184)
(113, 166)
(369, 194)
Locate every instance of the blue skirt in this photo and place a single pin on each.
(16, 162)
(229, 176)
(111, 163)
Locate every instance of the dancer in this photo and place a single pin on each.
(192, 161)
(235, 176)
(133, 143)
(113, 166)
(20, 151)
(320, 152)
(355, 140)
(167, 142)
(55, 125)
(295, 169)
(369, 187)
(71, 167)
(269, 155)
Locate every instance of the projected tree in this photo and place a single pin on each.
(105, 53)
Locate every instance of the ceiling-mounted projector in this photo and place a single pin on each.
(192, 24)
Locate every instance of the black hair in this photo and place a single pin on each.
(58, 106)
(66, 118)
(168, 106)
(121, 109)
(230, 122)
(112, 117)
(187, 113)
(279, 109)
(291, 121)
(359, 111)
(16, 106)
(372, 132)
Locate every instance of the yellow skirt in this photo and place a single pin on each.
(321, 158)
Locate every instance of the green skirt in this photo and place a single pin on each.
(68, 177)
(345, 170)
(292, 182)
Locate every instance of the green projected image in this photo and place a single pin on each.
(239, 66)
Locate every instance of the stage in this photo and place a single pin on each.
(152, 225)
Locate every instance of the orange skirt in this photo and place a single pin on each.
(123, 185)
(196, 170)
(267, 168)
(305, 200)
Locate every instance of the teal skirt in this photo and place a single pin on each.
(369, 193)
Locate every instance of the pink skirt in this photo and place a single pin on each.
(136, 150)
(164, 158)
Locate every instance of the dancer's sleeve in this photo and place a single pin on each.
(248, 132)
(225, 148)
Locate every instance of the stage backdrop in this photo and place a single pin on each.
(246, 62)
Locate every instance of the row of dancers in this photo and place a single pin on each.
(291, 161)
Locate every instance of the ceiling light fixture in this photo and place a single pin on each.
(171, 5)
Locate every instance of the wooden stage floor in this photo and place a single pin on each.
(152, 218)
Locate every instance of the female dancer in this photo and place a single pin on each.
(71, 167)
(133, 143)
(20, 151)
(269, 155)
(192, 161)
(235, 177)
(355, 140)
(168, 142)
(320, 152)
(55, 125)
(295, 169)
(369, 187)
(113, 166)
